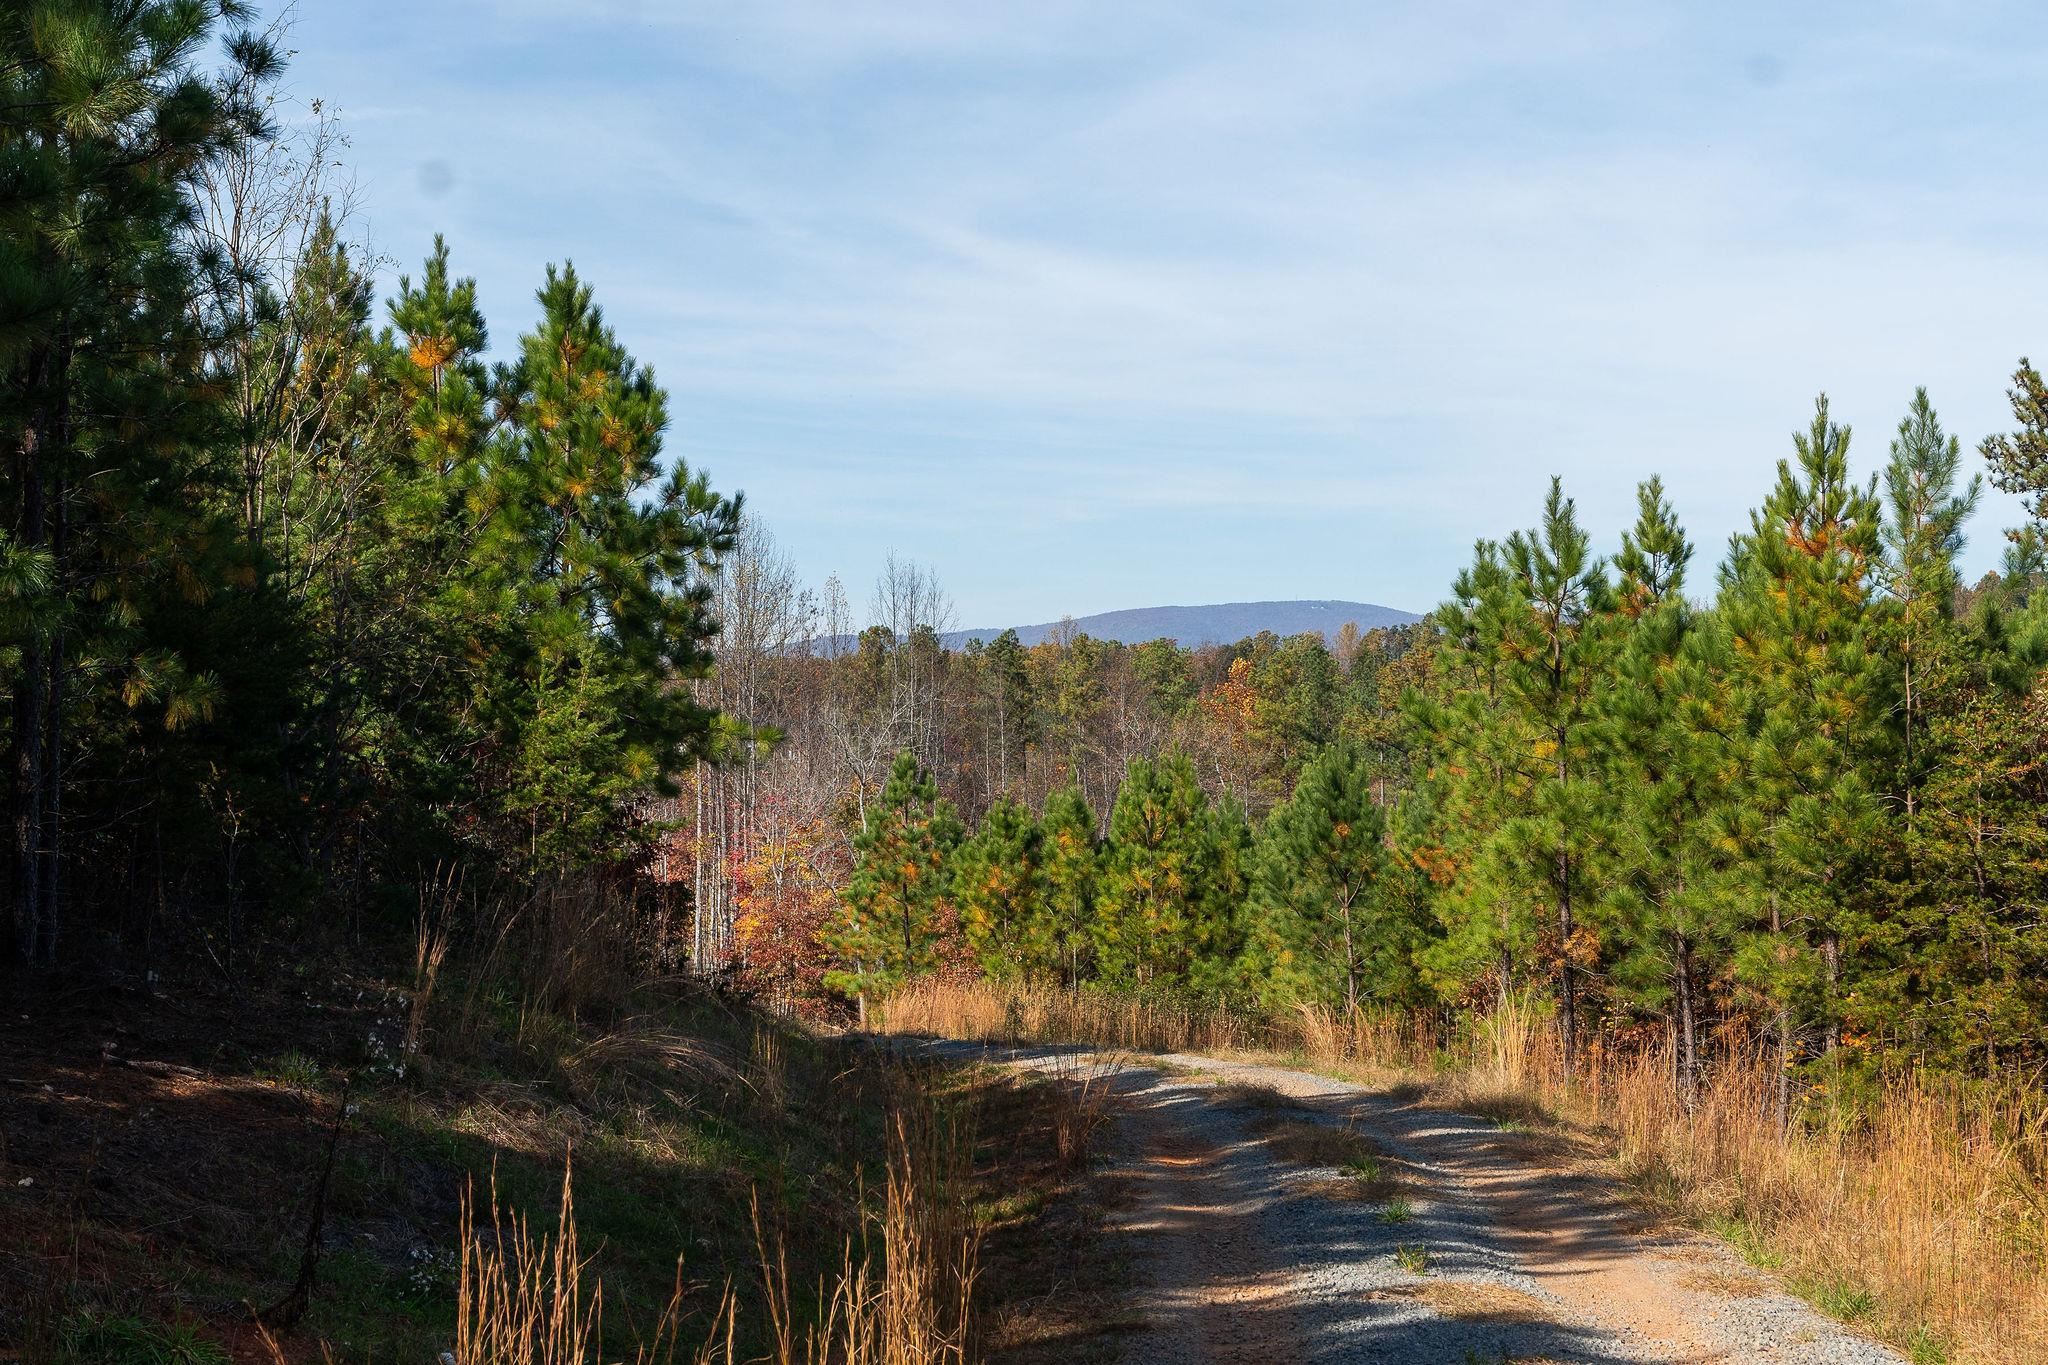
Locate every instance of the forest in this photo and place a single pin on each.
(313, 604)
(1802, 797)
(337, 628)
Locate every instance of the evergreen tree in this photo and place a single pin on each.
(898, 905)
(1923, 534)
(1552, 660)
(1070, 865)
(1296, 689)
(1171, 879)
(1795, 595)
(1662, 767)
(595, 570)
(2019, 461)
(1471, 740)
(1004, 694)
(115, 428)
(999, 886)
(1968, 985)
(1322, 929)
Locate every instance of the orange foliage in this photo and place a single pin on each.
(431, 353)
(786, 892)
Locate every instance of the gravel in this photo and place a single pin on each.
(1242, 1257)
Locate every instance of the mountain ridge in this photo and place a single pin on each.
(1212, 623)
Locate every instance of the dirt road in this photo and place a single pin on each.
(1262, 1235)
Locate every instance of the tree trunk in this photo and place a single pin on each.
(1782, 1025)
(31, 700)
(34, 936)
(1567, 977)
(1686, 1050)
(1831, 955)
(1350, 965)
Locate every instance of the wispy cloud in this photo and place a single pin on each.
(1343, 284)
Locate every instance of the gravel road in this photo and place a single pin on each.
(1245, 1256)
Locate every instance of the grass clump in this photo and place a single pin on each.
(93, 1339)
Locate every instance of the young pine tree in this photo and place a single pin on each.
(599, 566)
(1070, 864)
(998, 883)
(1923, 534)
(1808, 696)
(1470, 741)
(1318, 930)
(1171, 879)
(898, 904)
(1661, 765)
(1556, 658)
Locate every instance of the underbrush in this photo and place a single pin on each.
(1915, 1207)
(743, 1186)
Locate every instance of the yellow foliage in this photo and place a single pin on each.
(431, 353)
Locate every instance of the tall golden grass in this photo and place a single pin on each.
(1920, 1210)
(532, 1299)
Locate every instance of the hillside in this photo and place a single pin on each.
(1217, 623)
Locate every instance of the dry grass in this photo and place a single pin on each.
(915, 1305)
(1081, 1103)
(1263, 1098)
(1474, 1302)
(1727, 1284)
(1928, 1201)
(1307, 1143)
(526, 1299)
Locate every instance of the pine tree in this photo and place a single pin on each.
(1471, 739)
(1006, 705)
(1171, 879)
(1923, 534)
(598, 569)
(1322, 931)
(115, 428)
(899, 904)
(1295, 690)
(1968, 985)
(1662, 768)
(1071, 863)
(2019, 461)
(999, 886)
(1554, 663)
(1795, 595)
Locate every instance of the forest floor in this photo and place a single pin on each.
(1275, 1215)
(164, 1157)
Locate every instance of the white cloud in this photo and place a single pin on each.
(1380, 263)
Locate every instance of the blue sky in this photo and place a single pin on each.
(1118, 304)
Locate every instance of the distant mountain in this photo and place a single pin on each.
(1221, 623)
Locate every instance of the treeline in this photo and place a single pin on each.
(767, 826)
(1808, 804)
(303, 604)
